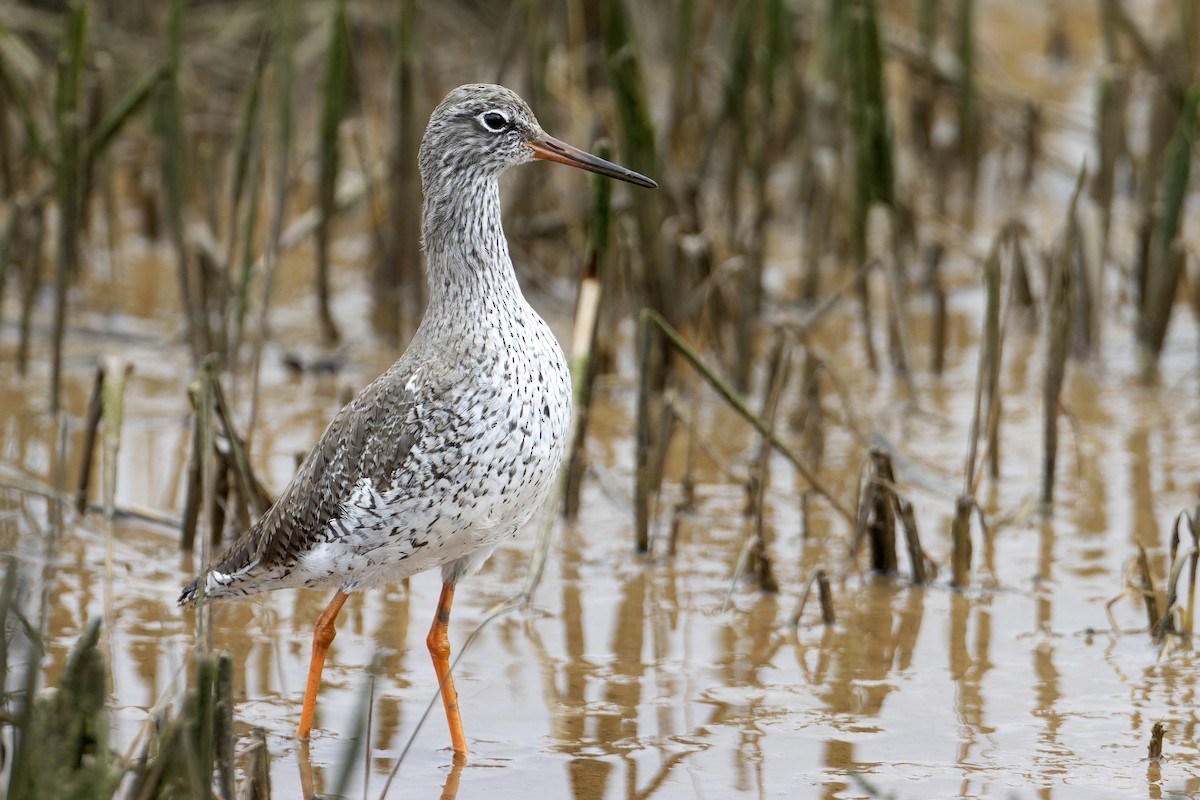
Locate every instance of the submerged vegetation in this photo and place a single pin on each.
(834, 175)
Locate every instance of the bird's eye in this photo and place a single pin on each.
(494, 121)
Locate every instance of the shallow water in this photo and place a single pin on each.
(627, 677)
(638, 677)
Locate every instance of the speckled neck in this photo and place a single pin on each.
(467, 253)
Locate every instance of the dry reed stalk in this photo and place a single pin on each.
(992, 354)
(639, 148)
(1154, 750)
(759, 552)
(970, 149)
(824, 595)
(284, 28)
(29, 255)
(1059, 314)
(923, 568)
(1179, 561)
(7, 238)
(68, 179)
(91, 426)
(940, 317)
(642, 491)
(245, 189)
(890, 258)
(223, 733)
(335, 86)
(880, 501)
(588, 307)
(960, 536)
(173, 166)
(399, 282)
(257, 783)
(1020, 288)
(115, 370)
(1165, 258)
(192, 485)
(257, 498)
(683, 76)
(873, 159)
(1145, 587)
(1111, 143)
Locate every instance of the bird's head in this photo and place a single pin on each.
(480, 130)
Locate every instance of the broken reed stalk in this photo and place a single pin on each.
(1058, 330)
(961, 548)
(937, 290)
(68, 179)
(878, 512)
(758, 551)
(1154, 750)
(91, 428)
(1178, 562)
(583, 338)
(992, 355)
(1145, 587)
(649, 318)
(335, 86)
(641, 491)
(922, 567)
(115, 371)
(824, 595)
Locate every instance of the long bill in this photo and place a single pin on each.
(553, 149)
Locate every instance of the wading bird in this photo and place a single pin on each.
(458, 443)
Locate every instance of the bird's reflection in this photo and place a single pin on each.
(450, 788)
(304, 759)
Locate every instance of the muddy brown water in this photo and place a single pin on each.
(632, 677)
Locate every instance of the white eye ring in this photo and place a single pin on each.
(494, 121)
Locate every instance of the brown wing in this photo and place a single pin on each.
(370, 437)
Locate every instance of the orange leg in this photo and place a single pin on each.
(323, 633)
(439, 648)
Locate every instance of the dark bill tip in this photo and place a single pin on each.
(552, 149)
